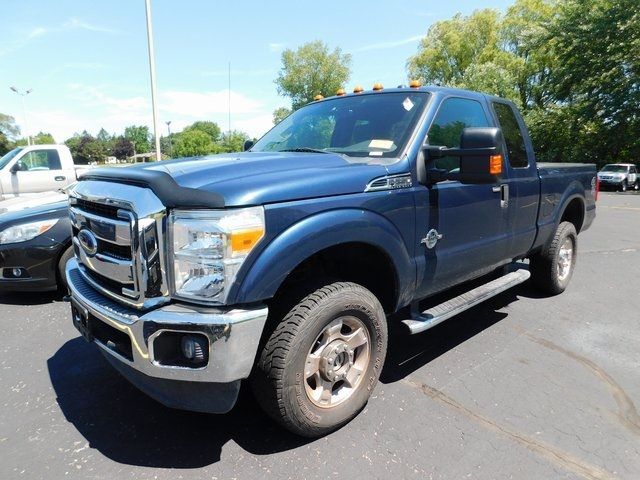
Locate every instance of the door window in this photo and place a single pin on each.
(516, 151)
(454, 115)
(39, 160)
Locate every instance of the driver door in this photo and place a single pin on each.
(469, 221)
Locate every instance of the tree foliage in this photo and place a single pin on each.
(139, 136)
(571, 66)
(233, 141)
(8, 131)
(191, 143)
(122, 148)
(86, 149)
(210, 128)
(312, 70)
(280, 114)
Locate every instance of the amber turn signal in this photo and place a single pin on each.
(377, 87)
(495, 164)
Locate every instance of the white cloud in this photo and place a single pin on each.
(390, 44)
(76, 23)
(277, 47)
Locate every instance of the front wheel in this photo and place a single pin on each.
(320, 364)
(636, 185)
(552, 268)
(623, 186)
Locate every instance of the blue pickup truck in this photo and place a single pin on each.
(282, 264)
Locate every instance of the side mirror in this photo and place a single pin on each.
(248, 144)
(480, 155)
(19, 166)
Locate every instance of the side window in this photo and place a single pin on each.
(454, 115)
(516, 151)
(38, 160)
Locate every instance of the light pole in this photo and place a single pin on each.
(152, 71)
(24, 111)
(168, 122)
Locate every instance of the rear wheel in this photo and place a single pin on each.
(636, 186)
(552, 268)
(322, 361)
(623, 186)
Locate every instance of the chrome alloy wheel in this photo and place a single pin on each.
(565, 259)
(337, 362)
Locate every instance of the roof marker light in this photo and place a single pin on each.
(377, 87)
(358, 89)
(340, 92)
(415, 84)
(318, 97)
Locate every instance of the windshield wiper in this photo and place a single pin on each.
(303, 149)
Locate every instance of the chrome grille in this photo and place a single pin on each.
(118, 233)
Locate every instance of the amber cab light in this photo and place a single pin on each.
(318, 97)
(340, 92)
(415, 84)
(495, 164)
(358, 89)
(377, 87)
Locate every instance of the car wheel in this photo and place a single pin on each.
(623, 186)
(321, 362)
(62, 263)
(636, 186)
(552, 268)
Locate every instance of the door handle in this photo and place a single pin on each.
(504, 194)
(60, 178)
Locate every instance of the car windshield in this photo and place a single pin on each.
(8, 156)
(368, 125)
(614, 168)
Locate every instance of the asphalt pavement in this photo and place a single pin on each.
(523, 387)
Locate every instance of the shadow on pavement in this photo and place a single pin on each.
(128, 427)
(29, 298)
(407, 353)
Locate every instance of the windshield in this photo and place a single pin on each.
(370, 125)
(614, 168)
(8, 156)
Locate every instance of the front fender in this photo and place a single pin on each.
(318, 232)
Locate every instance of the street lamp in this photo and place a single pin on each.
(168, 122)
(24, 112)
(152, 72)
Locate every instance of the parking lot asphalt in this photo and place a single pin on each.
(520, 387)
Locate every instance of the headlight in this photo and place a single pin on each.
(25, 231)
(208, 248)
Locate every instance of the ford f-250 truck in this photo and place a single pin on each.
(280, 264)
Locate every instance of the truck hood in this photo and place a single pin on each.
(255, 178)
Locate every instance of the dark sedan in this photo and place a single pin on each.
(35, 244)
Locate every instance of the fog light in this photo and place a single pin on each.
(193, 347)
(17, 272)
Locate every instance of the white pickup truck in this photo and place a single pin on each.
(37, 168)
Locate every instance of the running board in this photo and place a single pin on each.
(435, 315)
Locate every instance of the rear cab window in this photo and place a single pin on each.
(513, 137)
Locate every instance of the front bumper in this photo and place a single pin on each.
(127, 336)
(39, 261)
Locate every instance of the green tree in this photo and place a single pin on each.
(86, 149)
(233, 141)
(8, 131)
(139, 136)
(280, 114)
(210, 128)
(122, 148)
(190, 143)
(310, 70)
(42, 138)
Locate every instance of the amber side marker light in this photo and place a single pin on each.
(358, 89)
(377, 87)
(495, 164)
(318, 97)
(415, 84)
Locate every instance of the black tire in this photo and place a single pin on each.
(636, 185)
(623, 186)
(62, 263)
(279, 382)
(545, 272)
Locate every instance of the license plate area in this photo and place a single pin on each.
(80, 316)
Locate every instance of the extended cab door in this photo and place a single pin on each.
(41, 170)
(523, 182)
(461, 229)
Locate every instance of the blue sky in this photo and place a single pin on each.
(86, 61)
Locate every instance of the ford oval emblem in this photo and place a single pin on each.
(88, 242)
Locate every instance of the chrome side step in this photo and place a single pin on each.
(435, 315)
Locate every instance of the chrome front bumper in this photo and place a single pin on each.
(233, 334)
